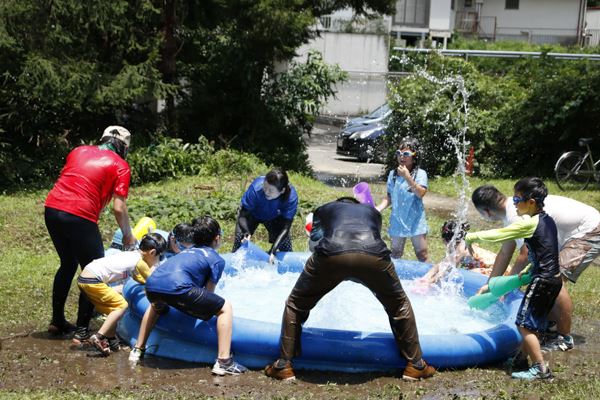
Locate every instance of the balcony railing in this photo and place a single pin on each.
(470, 23)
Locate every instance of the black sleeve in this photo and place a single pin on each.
(287, 225)
(243, 221)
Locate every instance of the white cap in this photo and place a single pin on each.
(118, 132)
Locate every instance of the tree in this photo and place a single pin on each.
(69, 68)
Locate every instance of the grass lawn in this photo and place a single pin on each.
(28, 263)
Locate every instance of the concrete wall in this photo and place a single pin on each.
(440, 15)
(365, 58)
(544, 20)
(361, 94)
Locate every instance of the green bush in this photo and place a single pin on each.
(429, 105)
(168, 211)
(233, 162)
(169, 158)
(521, 113)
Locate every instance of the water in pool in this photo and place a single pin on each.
(259, 293)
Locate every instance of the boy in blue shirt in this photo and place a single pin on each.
(187, 282)
(541, 239)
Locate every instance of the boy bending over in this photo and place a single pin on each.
(187, 282)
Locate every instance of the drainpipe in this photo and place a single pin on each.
(478, 6)
(580, 21)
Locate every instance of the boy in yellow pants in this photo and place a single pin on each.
(96, 276)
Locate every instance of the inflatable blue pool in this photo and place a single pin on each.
(256, 343)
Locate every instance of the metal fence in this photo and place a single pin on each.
(503, 54)
(470, 23)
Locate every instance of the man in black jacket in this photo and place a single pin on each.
(346, 237)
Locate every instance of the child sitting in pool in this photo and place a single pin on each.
(481, 261)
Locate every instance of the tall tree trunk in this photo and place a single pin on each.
(168, 66)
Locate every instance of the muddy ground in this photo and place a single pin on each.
(34, 360)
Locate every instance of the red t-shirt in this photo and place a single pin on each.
(89, 179)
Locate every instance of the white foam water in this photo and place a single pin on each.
(260, 294)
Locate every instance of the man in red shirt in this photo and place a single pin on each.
(91, 177)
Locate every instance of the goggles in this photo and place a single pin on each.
(405, 153)
(518, 199)
(177, 243)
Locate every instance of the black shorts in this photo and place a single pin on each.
(538, 301)
(196, 302)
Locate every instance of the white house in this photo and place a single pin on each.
(416, 20)
(536, 21)
(592, 26)
(360, 46)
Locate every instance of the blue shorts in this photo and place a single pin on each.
(196, 302)
(537, 303)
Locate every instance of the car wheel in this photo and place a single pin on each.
(380, 152)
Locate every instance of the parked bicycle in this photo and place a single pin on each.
(574, 170)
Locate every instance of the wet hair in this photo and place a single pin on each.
(153, 241)
(532, 188)
(204, 230)
(119, 146)
(183, 233)
(448, 231)
(488, 197)
(347, 199)
(279, 178)
(413, 145)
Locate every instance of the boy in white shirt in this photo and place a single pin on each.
(96, 276)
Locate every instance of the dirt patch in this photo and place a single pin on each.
(37, 361)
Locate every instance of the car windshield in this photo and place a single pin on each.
(379, 112)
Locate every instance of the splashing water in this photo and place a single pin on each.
(454, 84)
(259, 293)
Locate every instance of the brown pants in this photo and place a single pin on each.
(323, 273)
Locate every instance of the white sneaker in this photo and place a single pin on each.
(233, 368)
(136, 355)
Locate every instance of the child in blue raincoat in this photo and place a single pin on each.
(406, 186)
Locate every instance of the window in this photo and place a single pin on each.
(326, 21)
(468, 3)
(512, 4)
(452, 4)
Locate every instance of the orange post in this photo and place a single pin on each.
(470, 160)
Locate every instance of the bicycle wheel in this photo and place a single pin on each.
(572, 172)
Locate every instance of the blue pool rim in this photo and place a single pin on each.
(256, 343)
